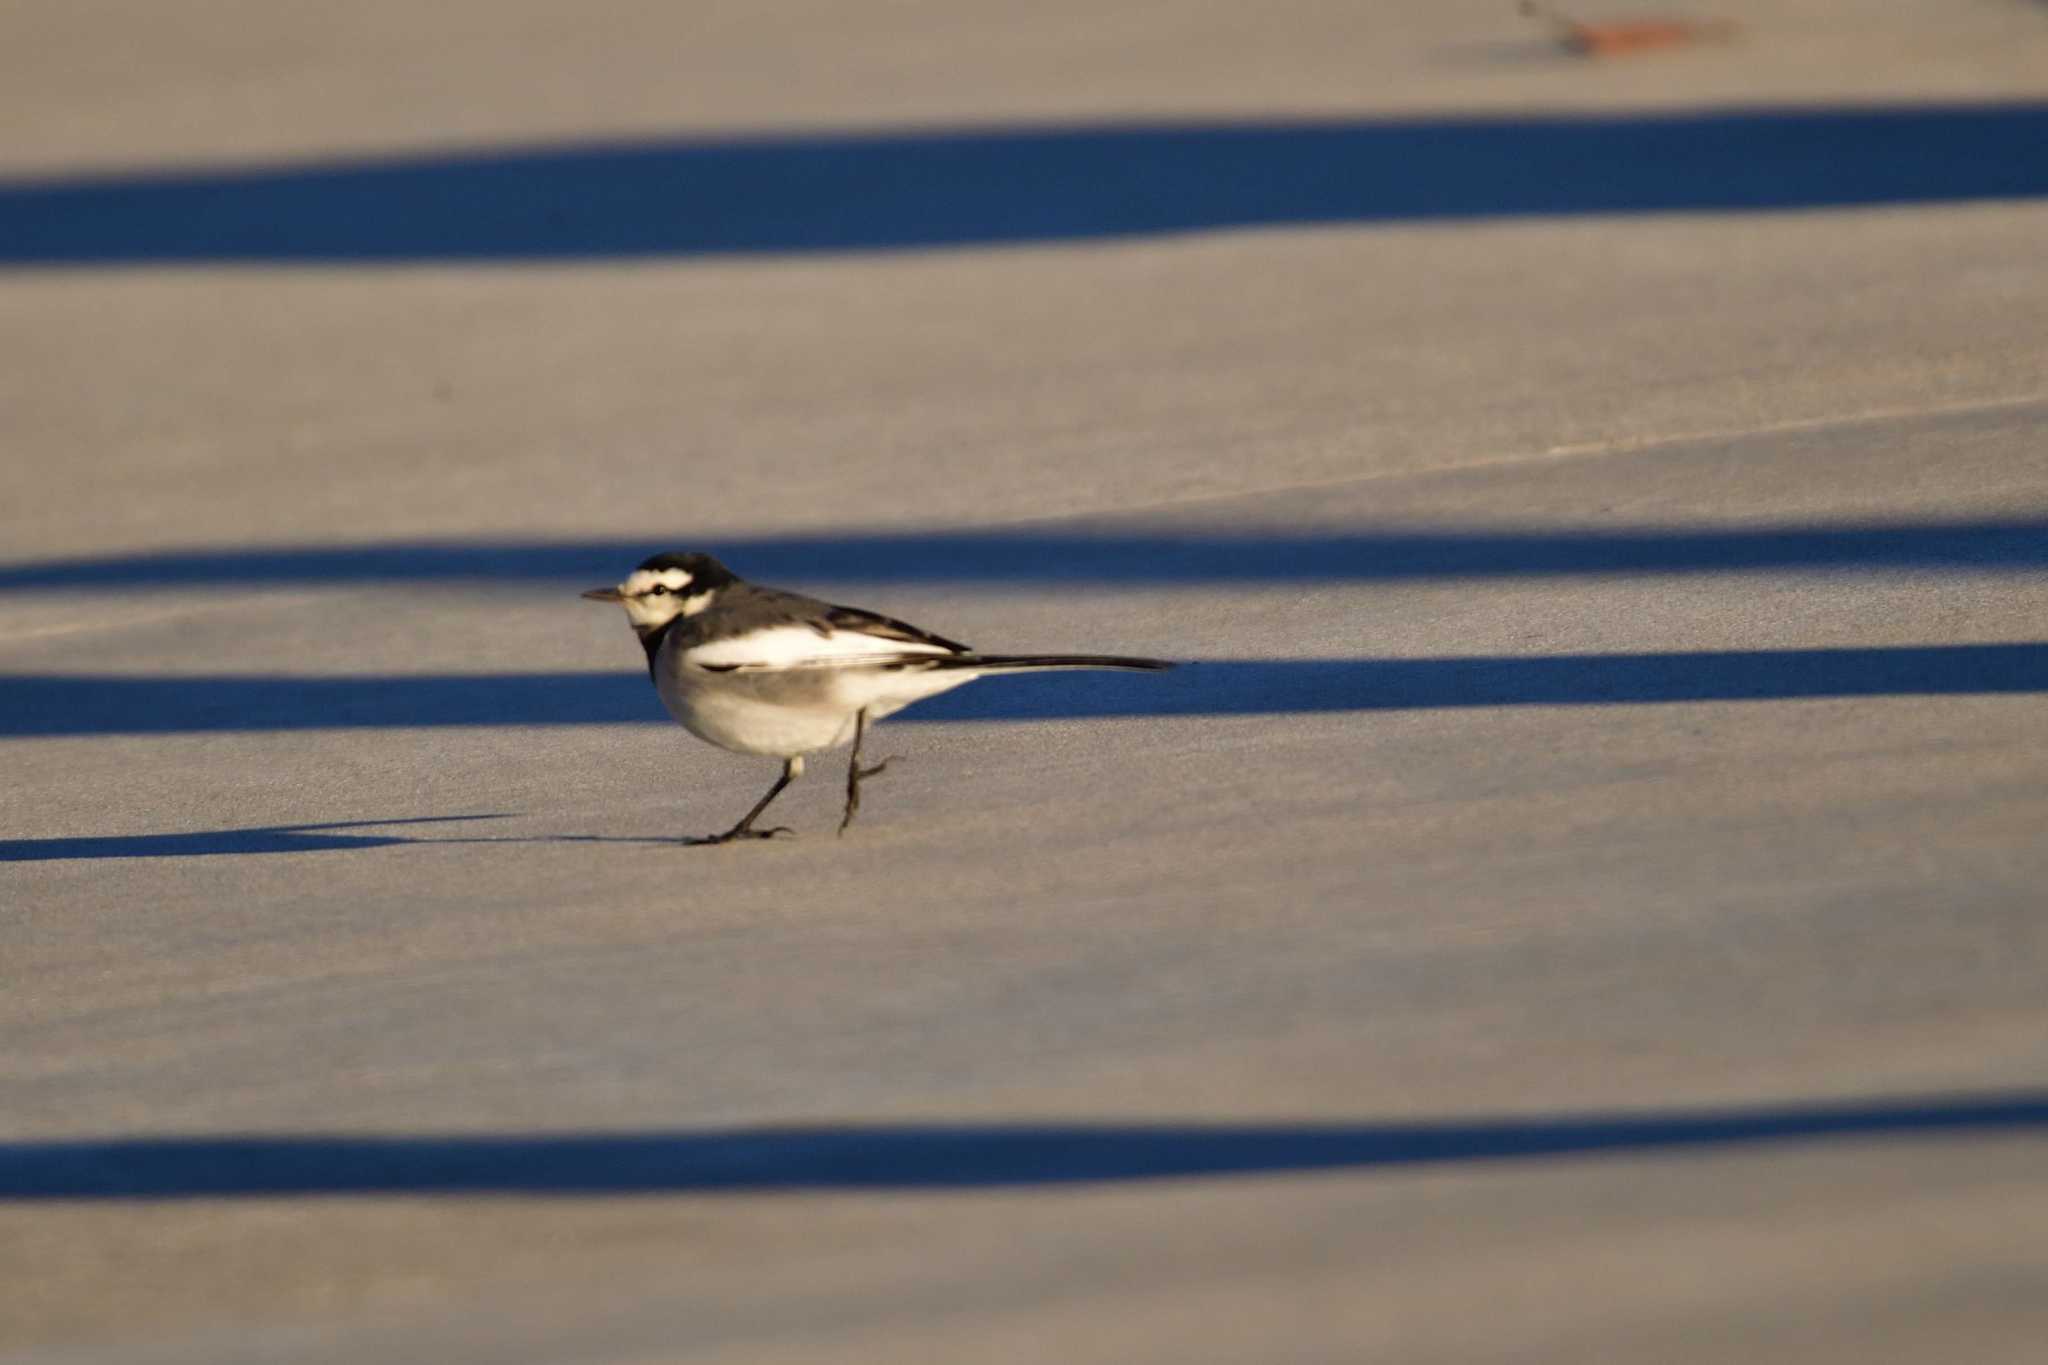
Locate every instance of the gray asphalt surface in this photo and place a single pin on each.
(1584, 901)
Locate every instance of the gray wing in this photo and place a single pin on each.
(887, 628)
(748, 607)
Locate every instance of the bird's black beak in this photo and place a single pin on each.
(605, 595)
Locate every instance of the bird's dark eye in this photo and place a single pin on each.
(659, 589)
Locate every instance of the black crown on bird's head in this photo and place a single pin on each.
(665, 586)
(704, 571)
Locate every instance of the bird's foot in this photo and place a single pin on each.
(855, 775)
(736, 834)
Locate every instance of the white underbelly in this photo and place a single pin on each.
(783, 715)
(748, 725)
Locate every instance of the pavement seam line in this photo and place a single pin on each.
(1588, 449)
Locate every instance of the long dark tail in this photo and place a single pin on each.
(1004, 663)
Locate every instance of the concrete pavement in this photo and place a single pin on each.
(1585, 903)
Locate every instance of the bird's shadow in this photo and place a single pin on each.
(314, 838)
(318, 838)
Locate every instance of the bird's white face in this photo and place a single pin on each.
(654, 597)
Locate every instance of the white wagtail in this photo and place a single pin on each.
(761, 671)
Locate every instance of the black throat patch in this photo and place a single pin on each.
(651, 638)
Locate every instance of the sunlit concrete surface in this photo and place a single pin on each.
(1583, 900)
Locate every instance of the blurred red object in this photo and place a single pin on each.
(1620, 37)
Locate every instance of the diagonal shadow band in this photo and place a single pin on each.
(1126, 557)
(913, 1157)
(35, 705)
(924, 189)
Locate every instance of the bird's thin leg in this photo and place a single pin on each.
(791, 769)
(854, 772)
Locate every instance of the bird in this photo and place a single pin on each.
(757, 670)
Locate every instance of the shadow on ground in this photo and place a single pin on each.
(1123, 557)
(42, 705)
(928, 1156)
(918, 189)
(202, 843)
